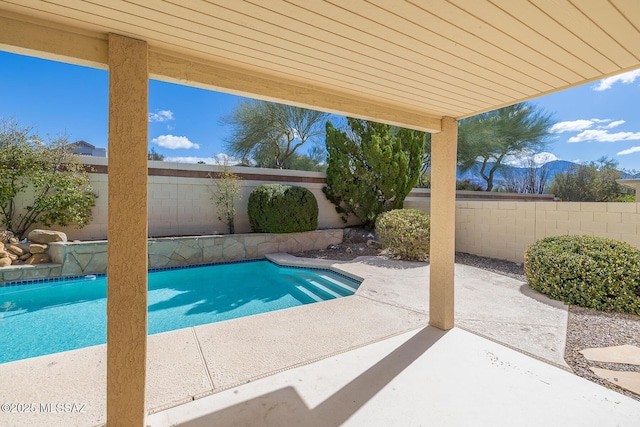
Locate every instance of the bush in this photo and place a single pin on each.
(277, 208)
(405, 233)
(591, 272)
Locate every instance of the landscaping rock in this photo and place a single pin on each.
(16, 250)
(12, 256)
(373, 243)
(25, 257)
(13, 240)
(4, 254)
(37, 248)
(47, 236)
(17, 262)
(38, 259)
(1, 246)
(4, 262)
(5, 236)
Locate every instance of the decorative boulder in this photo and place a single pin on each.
(16, 250)
(46, 236)
(5, 262)
(37, 248)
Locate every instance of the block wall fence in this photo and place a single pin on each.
(504, 229)
(497, 225)
(180, 199)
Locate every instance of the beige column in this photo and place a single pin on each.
(127, 232)
(443, 224)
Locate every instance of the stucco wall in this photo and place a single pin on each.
(504, 229)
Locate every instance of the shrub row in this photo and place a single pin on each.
(591, 272)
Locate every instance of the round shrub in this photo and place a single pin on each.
(591, 272)
(277, 208)
(405, 233)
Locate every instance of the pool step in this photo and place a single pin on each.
(320, 287)
(344, 286)
(308, 293)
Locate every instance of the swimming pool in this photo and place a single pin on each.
(49, 317)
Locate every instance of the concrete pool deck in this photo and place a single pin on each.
(388, 311)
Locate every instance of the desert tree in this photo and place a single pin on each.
(225, 189)
(277, 131)
(485, 140)
(47, 178)
(591, 182)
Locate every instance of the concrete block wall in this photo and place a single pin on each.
(180, 199)
(504, 230)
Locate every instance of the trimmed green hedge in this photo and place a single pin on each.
(591, 272)
(405, 233)
(277, 208)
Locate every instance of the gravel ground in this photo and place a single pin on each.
(586, 328)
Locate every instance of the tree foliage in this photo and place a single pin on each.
(592, 182)
(371, 168)
(532, 179)
(48, 178)
(313, 160)
(225, 188)
(490, 137)
(273, 130)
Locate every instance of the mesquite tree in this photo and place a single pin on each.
(371, 168)
(47, 178)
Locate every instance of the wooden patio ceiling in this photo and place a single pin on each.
(408, 62)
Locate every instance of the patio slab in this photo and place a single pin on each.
(495, 306)
(424, 377)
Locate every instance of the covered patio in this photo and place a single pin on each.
(421, 65)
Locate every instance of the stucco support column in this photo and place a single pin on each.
(443, 224)
(127, 232)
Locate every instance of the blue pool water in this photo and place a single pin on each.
(45, 318)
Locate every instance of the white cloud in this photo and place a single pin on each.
(571, 126)
(161, 116)
(601, 135)
(631, 150)
(607, 83)
(539, 159)
(174, 142)
(216, 160)
(613, 124)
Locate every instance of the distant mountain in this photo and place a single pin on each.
(555, 167)
(473, 174)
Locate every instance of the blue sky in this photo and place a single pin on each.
(594, 120)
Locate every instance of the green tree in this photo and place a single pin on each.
(371, 167)
(153, 155)
(488, 138)
(49, 178)
(225, 188)
(592, 182)
(273, 130)
(313, 160)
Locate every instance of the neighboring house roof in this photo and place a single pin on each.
(85, 144)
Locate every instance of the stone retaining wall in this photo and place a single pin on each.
(79, 258)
